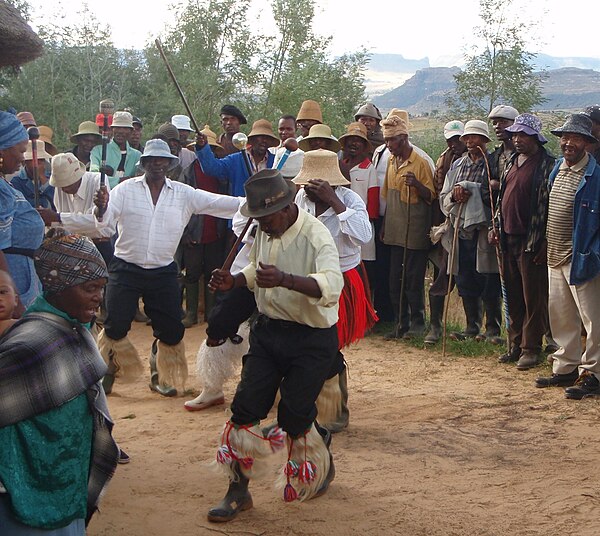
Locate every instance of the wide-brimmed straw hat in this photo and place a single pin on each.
(477, 127)
(267, 192)
(577, 124)
(41, 151)
(263, 127)
(86, 128)
(158, 148)
(311, 111)
(66, 170)
(530, 125)
(321, 164)
(322, 132)
(357, 130)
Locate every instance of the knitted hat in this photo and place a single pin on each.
(323, 132)
(230, 109)
(310, 110)
(393, 125)
(11, 130)
(65, 261)
(169, 131)
(321, 164)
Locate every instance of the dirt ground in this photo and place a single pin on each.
(461, 446)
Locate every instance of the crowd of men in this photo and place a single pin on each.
(515, 229)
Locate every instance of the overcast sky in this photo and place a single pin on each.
(433, 28)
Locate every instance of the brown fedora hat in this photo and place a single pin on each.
(354, 129)
(267, 192)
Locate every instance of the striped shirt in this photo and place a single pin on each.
(559, 230)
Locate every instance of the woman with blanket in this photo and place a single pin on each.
(56, 449)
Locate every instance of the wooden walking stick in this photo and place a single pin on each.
(404, 256)
(34, 134)
(449, 290)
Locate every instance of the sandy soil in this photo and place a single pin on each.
(461, 446)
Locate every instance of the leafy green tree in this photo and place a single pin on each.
(500, 70)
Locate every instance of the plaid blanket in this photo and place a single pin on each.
(46, 361)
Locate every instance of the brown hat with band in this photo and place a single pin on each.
(321, 164)
(267, 192)
(322, 132)
(263, 127)
(87, 128)
(357, 130)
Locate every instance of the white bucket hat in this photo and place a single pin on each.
(122, 119)
(476, 126)
(66, 170)
(158, 148)
(41, 151)
(181, 122)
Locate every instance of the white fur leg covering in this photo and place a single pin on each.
(124, 356)
(317, 454)
(217, 364)
(329, 402)
(245, 445)
(171, 364)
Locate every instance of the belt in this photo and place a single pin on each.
(101, 239)
(19, 251)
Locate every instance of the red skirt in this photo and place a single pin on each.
(356, 314)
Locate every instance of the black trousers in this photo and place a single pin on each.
(470, 282)
(230, 310)
(159, 290)
(291, 357)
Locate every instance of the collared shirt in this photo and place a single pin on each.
(76, 210)
(305, 249)
(148, 233)
(350, 229)
(559, 231)
(24, 184)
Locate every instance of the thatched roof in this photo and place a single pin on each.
(18, 42)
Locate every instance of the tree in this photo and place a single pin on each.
(499, 71)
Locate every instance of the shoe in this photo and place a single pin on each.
(140, 317)
(123, 457)
(198, 404)
(511, 356)
(414, 331)
(495, 339)
(587, 385)
(557, 380)
(551, 347)
(527, 360)
(395, 334)
(236, 500)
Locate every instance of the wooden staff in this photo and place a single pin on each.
(34, 134)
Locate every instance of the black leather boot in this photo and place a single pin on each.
(473, 313)
(436, 311)
(236, 500)
(493, 320)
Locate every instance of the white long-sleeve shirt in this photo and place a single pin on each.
(148, 233)
(76, 210)
(350, 229)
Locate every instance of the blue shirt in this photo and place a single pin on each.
(24, 184)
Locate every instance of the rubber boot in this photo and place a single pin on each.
(416, 304)
(326, 435)
(109, 378)
(343, 417)
(493, 320)
(436, 311)
(473, 313)
(191, 304)
(155, 385)
(236, 500)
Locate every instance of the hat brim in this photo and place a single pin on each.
(471, 133)
(304, 144)
(174, 162)
(274, 140)
(74, 137)
(342, 139)
(246, 211)
(559, 132)
(526, 130)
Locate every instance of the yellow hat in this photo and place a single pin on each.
(211, 137)
(323, 132)
(321, 164)
(46, 134)
(310, 110)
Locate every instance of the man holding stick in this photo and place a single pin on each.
(294, 272)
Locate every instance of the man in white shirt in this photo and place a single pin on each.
(150, 213)
(74, 200)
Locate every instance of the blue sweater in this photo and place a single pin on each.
(231, 168)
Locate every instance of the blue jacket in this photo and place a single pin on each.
(232, 168)
(585, 264)
(24, 184)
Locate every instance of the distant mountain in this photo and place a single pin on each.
(564, 89)
(545, 62)
(396, 63)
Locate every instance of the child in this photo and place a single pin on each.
(8, 301)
